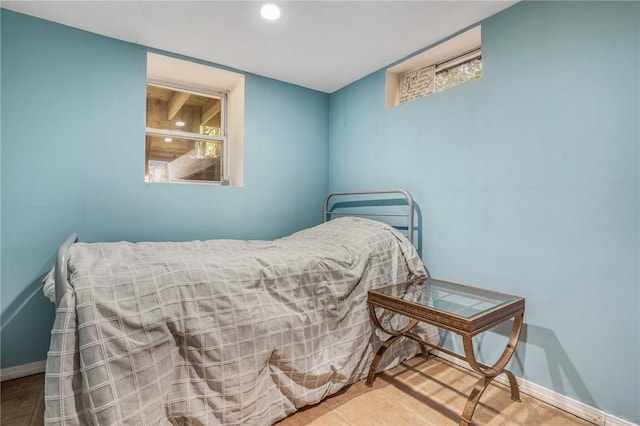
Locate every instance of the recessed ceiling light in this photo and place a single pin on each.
(270, 12)
(180, 123)
(168, 140)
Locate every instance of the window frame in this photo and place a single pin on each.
(455, 62)
(440, 56)
(222, 138)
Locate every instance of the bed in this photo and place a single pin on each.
(223, 331)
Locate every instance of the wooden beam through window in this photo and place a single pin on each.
(178, 99)
(210, 110)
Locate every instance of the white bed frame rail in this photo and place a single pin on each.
(60, 274)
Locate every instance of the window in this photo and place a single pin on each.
(194, 124)
(186, 134)
(448, 64)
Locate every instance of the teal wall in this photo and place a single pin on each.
(73, 125)
(527, 179)
(528, 183)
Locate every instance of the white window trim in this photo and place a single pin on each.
(454, 62)
(185, 135)
(205, 79)
(443, 55)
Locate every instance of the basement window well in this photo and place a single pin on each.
(194, 123)
(448, 64)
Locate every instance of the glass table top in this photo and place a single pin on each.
(451, 298)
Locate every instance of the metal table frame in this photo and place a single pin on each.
(465, 327)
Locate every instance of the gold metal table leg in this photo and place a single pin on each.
(394, 336)
(488, 374)
(376, 360)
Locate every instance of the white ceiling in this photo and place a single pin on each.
(323, 45)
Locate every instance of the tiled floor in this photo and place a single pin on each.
(426, 393)
(23, 401)
(416, 393)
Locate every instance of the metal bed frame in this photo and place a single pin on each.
(332, 207)
(406, 201)
(60, 274)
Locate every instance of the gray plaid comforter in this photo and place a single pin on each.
(222, 331)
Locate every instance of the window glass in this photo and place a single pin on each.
(459, 74)
(183, 159)
(172, 109)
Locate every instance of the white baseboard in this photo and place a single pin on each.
(611, 420)
(22, 370)
(564, 403)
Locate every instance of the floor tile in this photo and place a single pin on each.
(314, 416)
(371, 409)
(22, 401)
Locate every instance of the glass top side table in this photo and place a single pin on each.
(458, 308)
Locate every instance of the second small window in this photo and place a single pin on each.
(452, 62)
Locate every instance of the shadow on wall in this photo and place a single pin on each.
(27, 320)
(558, 361)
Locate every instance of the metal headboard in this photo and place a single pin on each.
(330, 209)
